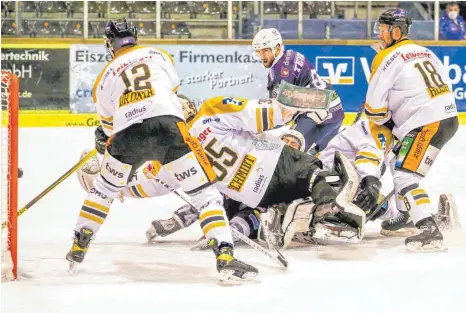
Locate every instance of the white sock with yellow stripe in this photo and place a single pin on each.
(93, 213)
(135, 191)
(414, 199)
(214, 223)
(418, 203)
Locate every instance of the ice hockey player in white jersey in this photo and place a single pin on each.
(253, 169)
(409, 92)
(142, 120)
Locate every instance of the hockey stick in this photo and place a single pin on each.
(379, 207)
(360, 112)
(54, 184)
(356, 119)
(274, 254)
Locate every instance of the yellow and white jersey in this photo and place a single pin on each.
(139, 83)
(229, 130)
(365, 144)
(410, 85)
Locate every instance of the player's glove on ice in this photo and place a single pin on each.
(100, 140)
(370, 191)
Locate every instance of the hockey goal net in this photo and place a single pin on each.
(9, 155)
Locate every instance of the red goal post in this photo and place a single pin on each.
(9, 169)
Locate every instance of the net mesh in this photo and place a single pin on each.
(7, 262)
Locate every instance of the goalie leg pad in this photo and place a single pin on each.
(351, 213)
(297, 219)
(88, 172)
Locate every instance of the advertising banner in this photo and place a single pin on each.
(348, 68)
(43, 76)
(205, 71)
(230, 70)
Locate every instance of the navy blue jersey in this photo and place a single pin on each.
(294, 68)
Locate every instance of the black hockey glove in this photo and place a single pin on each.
(321, 191)
(100, 140)
(369, 195)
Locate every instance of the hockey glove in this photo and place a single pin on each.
(370, 191)
(321, 191)
(100, 140)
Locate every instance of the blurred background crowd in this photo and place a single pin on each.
(228, 19)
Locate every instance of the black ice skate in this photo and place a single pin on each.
(162, 228)
(229, 267)
(81, 242)
(430, 238)
(399, 226)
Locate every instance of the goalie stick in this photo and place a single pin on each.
(381, 204)
(54, 184)
(273, 254)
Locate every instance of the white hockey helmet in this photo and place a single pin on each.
(189, 108)
(267, 38)
(296, 136)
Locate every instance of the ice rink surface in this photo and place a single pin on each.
(122, 273)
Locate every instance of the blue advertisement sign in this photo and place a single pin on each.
(348, 68)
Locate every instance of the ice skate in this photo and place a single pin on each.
(201, 244)
(430, 238)
(81, 242)
(228, 267)
(399, 226)
(162, 228)
(447, 217)
(270, 230)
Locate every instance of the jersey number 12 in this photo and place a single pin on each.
(140, 78)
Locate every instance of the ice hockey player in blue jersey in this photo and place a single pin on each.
(294, 68)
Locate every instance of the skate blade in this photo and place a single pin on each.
(73, 268)
(434, 246)
(200, 245)
(227, 277)
(403, 232)
(150, 236)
